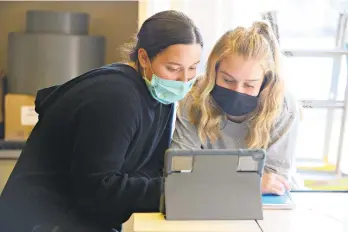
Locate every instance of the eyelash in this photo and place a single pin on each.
(175, 70)
(228, 81)
(250, 86)
(232, 81)
(172, 69)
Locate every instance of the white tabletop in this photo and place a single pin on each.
(315, 212)
(155, 222)
(334, 205)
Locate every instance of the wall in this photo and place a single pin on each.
(116, 20)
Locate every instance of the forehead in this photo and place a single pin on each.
(185, 54)
(241, 68)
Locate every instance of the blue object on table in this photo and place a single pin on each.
(277, 202)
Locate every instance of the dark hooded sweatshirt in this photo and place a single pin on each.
(94, 157)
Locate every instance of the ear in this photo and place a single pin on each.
(266, 79)
(264, 83)
(143, 58)
(217, 66)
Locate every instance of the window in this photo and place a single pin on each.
(315, 78)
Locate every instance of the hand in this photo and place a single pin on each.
(274, 184)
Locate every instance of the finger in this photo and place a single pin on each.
(283, 181)
(277, 185)
(277, 191)
(273, 186)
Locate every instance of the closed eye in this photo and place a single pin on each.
(171, 69)
(229, 80)
(248, 86)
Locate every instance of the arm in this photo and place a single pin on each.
(154, 167)
(281, 154)
(185, 134)
(106, 124)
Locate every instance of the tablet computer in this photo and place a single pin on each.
(213, 184)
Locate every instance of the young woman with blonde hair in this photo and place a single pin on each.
(241, 102)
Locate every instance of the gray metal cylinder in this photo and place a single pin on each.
(57, 22)
(41, 60)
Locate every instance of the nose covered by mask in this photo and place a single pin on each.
(234, 103)
(168, 91)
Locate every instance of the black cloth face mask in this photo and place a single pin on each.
(234, 103)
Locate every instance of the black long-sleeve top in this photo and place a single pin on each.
(94, 157)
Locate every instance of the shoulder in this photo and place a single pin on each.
(111, 88)
(109, 94)
(184, 107)
(189, 101)
(290, 113)
(118, 80)
(291, 106)
(119, 73)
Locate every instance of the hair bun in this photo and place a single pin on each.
(262, 28)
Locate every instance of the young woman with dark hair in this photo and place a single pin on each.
(96, 153)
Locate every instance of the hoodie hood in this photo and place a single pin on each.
(42, 95)
(46, 97)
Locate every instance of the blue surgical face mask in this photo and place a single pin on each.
(168, 91)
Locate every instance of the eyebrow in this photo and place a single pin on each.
(174, 63)
(227, 74)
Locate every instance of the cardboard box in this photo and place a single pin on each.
(20, 116)
(2, 75)
(2, 95)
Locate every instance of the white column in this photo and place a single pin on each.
(143, 6)
(147, 8)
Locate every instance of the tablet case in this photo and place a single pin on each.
(213, 184)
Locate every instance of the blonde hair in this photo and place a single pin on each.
(257, 42)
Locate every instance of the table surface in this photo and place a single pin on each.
(155, 222)
(317, 212)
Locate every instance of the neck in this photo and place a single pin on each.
(133, 65)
